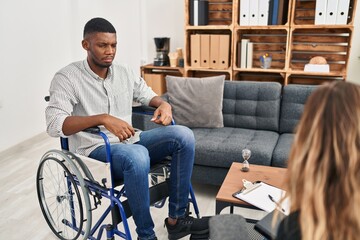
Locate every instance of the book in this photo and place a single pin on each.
(243, 52)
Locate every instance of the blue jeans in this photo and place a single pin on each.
(131, 162)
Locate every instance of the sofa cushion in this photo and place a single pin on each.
(196, 102)
(294, 97)
(282, 150)
(219, 147)
(252, 105)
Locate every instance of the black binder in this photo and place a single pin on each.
(201, 16)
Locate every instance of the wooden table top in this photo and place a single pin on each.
(233, 181)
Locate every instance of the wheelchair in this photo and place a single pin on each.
(70, 187)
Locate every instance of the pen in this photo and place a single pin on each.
(276, 203)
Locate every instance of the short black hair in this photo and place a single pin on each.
(98, 25)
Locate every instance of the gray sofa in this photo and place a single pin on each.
(260, 116)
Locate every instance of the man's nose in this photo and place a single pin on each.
(110, 50)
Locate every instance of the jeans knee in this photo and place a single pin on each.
(184, 135)
(136, 159)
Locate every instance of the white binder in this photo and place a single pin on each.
(263, 15)
(320, 12)
(249, 55)
(342, 12)
(254, 11)
(331, 12)
(244, 12)
(244, 43)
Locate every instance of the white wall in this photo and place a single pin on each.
(40, 37)
(354, 58)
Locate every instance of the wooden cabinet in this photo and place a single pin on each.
(154, 76)
(291, 44)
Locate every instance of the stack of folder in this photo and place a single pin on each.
(199, 12)
(263, 12)
(331, 12)
(210, 50)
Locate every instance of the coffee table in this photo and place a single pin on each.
(233, 182)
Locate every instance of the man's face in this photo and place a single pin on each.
(101, 48)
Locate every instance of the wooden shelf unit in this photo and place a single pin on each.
(291, 45)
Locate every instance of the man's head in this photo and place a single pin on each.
(98, 25)
(100, 43)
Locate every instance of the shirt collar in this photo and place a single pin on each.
(94, 75)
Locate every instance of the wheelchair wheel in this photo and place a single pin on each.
(66, 208)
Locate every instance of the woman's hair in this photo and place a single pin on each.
(323, 179)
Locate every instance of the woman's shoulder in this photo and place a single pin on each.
(290, 227)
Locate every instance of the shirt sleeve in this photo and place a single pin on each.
(61, 104)
(142, 92)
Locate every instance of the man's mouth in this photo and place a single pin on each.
(108, 60)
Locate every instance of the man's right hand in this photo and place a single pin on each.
(118, 127)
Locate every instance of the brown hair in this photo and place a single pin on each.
(323, 179)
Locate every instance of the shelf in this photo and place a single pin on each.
(311, 79)
(291, 45)
(209, 27)
(260, 70)
(331, 74)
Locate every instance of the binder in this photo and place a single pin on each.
(243, 53)
(199, 12)
(214, 50)
(244, 12)
(342, 12)
(254, 11)
(263, 12)
(205, 50)
(195, 50)
(275, 12)
(271, 7)
(224, 51)
(282, 10)
(320, 12)
(331, 12)
(249, 55)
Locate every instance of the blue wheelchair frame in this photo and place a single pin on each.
(120, 210)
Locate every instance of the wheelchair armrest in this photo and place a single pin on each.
(93, 130)
(142, 109)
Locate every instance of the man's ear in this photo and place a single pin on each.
(85, 44)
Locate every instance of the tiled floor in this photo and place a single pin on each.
(20, 214)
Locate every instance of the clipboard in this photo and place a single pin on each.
(263, 196)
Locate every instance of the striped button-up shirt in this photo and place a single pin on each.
(77, 91)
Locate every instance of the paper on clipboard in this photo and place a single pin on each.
(258, 196)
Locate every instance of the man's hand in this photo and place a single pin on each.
(163, 114)
(119, 128)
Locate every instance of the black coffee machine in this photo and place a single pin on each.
(162, 50)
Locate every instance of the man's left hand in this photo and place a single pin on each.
(163, 114)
